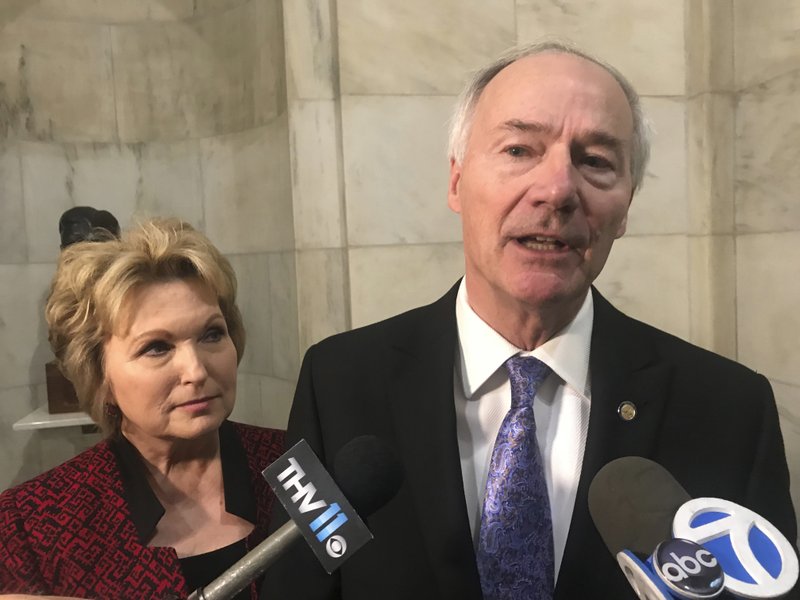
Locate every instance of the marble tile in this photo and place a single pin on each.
(644, 39)
(130, 180)
(59, 445)
(255, 303)
(417, 46)
(105, 176)
(283, 307)
(765, 35)
(660, 206)
(169, 181)
(206, 6)
(13, 242)
(197, 78)
(247, 189)
(710, 161)
(48, 190)
(767, 154)
(322, 295)
(646, 277)
(387, 280)
(43, 103)
(57, 177)
(317, 187)
(248, 400)
(768, 285)
(110, 11)
(712, 293)
(709, 46)
(396, 170)
(311, 69)
(11, 10)
(269, 76)
(20, 449)
(276, 401)
(24, 348)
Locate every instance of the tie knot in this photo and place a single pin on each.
(526, 373)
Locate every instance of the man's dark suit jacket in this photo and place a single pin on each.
(709, 421)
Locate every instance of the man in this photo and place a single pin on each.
(547, 148)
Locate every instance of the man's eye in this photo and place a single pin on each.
(516, 151)
(597, 162)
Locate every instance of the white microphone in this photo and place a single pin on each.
(670, 546)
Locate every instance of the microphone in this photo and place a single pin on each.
(637, 506)
(369, 475)
(632, 501)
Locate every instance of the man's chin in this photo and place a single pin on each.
(549, 292)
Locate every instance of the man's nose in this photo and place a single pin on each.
(556, 180)
(192, 365)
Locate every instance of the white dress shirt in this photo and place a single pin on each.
(561, 409)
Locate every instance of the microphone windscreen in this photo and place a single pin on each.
(632, 501)
(368, 473)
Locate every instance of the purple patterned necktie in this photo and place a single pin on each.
(515, 547)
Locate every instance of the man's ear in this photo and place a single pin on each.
(453, 199)
(623, 225)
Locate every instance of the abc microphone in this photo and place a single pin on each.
(632, 501)
(368, 474)
(637, 506)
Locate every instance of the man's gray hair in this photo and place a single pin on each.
(461, 121)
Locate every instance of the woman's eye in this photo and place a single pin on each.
(156, 348)
(214, 334)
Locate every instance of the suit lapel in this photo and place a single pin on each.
(424, 414)
(624, 367)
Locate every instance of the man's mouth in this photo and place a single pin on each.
(541, 242)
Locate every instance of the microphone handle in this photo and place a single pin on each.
(250, 566)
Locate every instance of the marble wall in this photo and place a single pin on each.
(371, 84)
(154, 107)
(766, 212)
(181, 106)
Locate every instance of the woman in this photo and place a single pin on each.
(148, 331)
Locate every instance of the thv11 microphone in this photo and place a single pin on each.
(369, 475)
(638, 506)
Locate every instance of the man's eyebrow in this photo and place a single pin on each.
(603, 138)
(595, 136)
(520, 125)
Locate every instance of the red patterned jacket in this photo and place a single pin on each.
(81, 529)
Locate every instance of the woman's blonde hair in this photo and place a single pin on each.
(92, 282)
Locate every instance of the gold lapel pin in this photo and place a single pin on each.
(627, 411)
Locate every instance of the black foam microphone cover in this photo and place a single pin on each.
(368, 473)
(632, 501)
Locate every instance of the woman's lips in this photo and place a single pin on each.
(196, 405)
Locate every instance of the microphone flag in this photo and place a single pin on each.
(326, 519)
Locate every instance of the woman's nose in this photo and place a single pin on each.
(191, 364)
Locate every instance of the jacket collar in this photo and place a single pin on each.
(421, 398)
(145, 509)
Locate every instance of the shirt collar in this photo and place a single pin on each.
(484, 350)
(145, 509)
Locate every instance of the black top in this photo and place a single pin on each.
(146, 510)
(202, 569)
